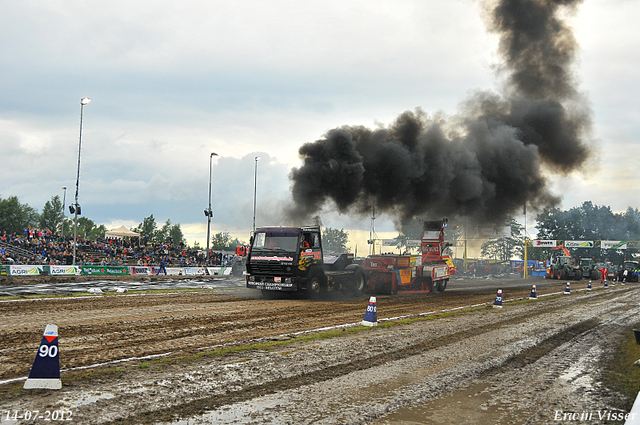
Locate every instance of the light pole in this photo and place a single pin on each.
(255, 185)
(64, 200)
(208, 212)
(76, 207)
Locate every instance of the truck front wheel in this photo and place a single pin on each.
(442, 285)
(315, 287)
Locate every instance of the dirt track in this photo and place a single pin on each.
(185, 325)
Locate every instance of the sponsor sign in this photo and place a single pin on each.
(273, 286)
(194, 271)
(138, 270)
(64, 270)
(25, 270)
(578, 244)
(216, 271)
(412, 243)
(541, 243)
(390, 242)
(274, 258)
(440, 271)
(105, 270)
(174, 271)
(613, 244)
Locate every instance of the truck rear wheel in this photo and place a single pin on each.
(359, 282)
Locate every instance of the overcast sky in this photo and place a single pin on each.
(172, 82)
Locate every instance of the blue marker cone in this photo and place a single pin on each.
(371, 315)
(45, 372)
(606, 285)
(498, 302)
(567, 290)
(534, 293)
(589, 286)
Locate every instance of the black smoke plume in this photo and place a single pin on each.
(485, 163)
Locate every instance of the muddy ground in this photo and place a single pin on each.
(525, 363)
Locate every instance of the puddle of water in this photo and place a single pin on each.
(467, 406)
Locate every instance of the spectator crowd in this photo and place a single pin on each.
(43, 247)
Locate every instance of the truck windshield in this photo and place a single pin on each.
(564, 260)
(271, 241)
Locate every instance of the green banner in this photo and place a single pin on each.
(104, 270)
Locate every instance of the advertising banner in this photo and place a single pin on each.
(390, 242)
(578, 244)
(174, 271)
(138, 270)
(64, 270)
(104, 270)
(541, 243)
(613, 244)
(218, 271)
(25, 270)
(194, 271)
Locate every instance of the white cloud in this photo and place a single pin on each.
(173, 81)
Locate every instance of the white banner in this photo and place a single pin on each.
(389, 242)
(138, 270)
(413, 243)
(174, 271)
(578, 244)
(613, 244)
(541, 243)
(194, 271)
(64, 270)
(25, 270)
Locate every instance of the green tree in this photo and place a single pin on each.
(176, 235)
(169, 233)
(503, 249)
(222, 241)
(147, 228)
(589, 222)
(86, 228)
(15, 216)
(52, 215)
(334, 240)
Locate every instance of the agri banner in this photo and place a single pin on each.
(64, 270)
(25, 270)
(138, 270)
(540, 243)
(104, 270)
(578, 244)
(194, 271)
(613, 244)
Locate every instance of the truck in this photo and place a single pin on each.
(428, 271)
(291, 259)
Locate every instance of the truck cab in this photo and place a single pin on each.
(291, 259)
